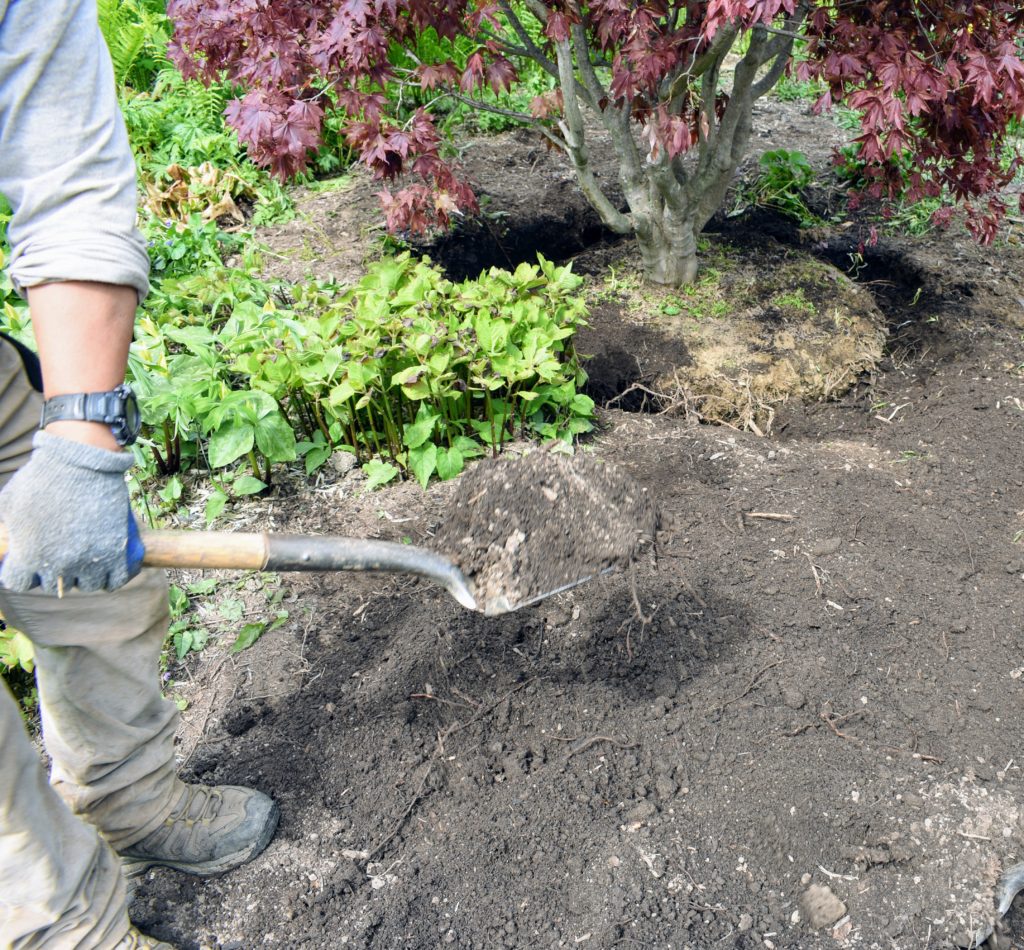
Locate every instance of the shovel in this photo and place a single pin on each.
(279, 552)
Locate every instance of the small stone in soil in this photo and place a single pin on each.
(820, 906)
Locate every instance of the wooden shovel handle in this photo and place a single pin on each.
(209, 549)
(206, 549)
(266, 552)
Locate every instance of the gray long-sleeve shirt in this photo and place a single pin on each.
(65, 163)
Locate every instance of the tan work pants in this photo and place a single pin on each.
(106, 727)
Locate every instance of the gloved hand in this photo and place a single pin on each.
(67, 516)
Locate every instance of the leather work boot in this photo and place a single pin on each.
(133, 940)
(212, 829)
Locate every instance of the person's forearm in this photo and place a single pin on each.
(83, 331)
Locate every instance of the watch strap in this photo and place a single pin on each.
(107, 408)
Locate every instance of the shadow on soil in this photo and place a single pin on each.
(423, 673)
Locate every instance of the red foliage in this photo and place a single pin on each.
(938, 82)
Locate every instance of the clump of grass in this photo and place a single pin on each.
(793, 300)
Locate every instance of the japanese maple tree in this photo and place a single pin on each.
(670, 84)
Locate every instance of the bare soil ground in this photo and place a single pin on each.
(797, 726)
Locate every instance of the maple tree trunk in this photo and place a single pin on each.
(669, 199)
(668, 248)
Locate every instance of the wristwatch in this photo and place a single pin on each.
(118, 409)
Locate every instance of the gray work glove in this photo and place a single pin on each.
(67, 517)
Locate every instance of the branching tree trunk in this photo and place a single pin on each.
(669, 198)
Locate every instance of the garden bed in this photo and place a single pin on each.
(815, 683)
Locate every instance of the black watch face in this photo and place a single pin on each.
(132, 416)
(128, 422)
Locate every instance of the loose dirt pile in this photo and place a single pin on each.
(523, 527)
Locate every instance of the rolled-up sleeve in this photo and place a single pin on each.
(65, 164)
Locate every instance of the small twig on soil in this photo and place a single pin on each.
(440, 699)
(768, 515)
(819, 574)
(373, 852)
(693, 593)
(469, 699)
(837, 877)
(970, 551)
(594, 740)
(831, 720)
(966, 834)
(750, 686)
(459, 726)
(706, 908)
(892, 415)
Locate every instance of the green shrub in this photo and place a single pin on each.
(15, 650)
(790, 89)
(407, 370)
(17, 664)
(784, 175)
(180, 248)
(181, 122)
(14, 319)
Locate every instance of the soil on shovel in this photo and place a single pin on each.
(522, 528)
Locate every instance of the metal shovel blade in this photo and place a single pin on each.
(500, 605)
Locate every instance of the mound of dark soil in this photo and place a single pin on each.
(521, 528)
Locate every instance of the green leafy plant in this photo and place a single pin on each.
(793, 300)
(251, 632)
(15, 650)
(14, 319)
(791, 89)
(137, 32)
(179, 121)
(430, 373)
(17, 667)
(178, 248)
(190, 631)
(185, 634)
(407, 370)
(784, 175)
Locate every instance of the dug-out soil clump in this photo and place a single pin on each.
(521, 528)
